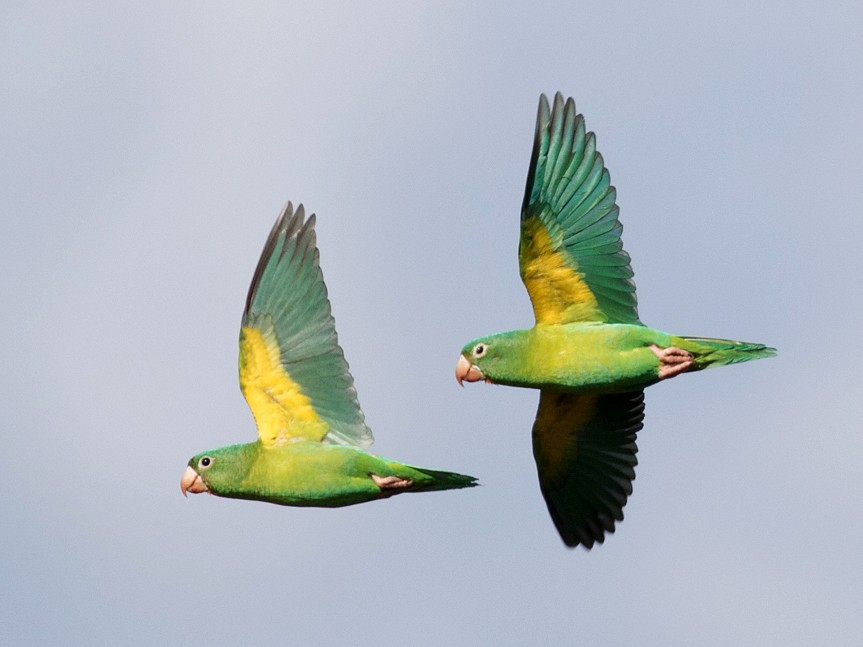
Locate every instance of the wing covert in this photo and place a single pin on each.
(571, 257)
(293, 372)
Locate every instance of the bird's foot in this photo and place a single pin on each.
(391, 482)
(672, 360)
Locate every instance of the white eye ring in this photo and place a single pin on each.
(479, 350)
(205, 462)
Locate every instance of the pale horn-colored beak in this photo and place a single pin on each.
(192, 482)
(467, 372)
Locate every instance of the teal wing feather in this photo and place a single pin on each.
(569, 191)
(584, 446)
(288, 298)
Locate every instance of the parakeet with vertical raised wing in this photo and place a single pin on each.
(588, 353)
(294, 376)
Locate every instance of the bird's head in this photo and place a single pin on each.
(489, 359)
(216, 471)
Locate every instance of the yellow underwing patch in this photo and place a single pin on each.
(559, 421)
(283, 413)
(557, 291)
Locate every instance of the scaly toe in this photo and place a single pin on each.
(672, 360)
(390, 482)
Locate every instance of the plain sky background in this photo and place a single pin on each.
(147, 149)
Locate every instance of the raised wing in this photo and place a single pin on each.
(584, 446)
(293, 372)
(571, 257)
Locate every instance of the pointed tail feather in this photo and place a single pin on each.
(719, 352)
(438, 480)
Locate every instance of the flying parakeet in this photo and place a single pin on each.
(588, 354)
(295, 379)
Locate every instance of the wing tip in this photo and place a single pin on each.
(543, 117)
(289, 223)
(589, 530)
(549, 117)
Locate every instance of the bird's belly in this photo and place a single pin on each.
(310, 474)
(607, 359)
(599, 372)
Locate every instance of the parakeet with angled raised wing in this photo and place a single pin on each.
(295, 379)
(588, 353)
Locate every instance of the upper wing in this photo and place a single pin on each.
(571, 257)
(293, 372)
(584, 446)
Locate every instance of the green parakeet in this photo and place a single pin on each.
(295, 379)
(588, 353)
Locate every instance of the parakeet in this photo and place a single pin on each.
(295, 379)
(588, 353)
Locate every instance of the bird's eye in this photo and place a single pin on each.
(206, 461)
(479, 350)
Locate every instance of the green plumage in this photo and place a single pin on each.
(595, 357)
(588, 354)
(309, 473)
(295, 378)
(721, 352)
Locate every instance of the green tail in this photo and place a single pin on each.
(719, 352)
(438, 480)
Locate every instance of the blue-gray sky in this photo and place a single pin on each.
(147, 150)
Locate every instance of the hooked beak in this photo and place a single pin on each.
(192, 482)
(467, 372)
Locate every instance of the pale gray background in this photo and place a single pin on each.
(147, 149)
